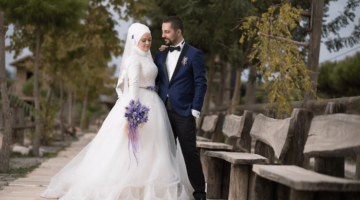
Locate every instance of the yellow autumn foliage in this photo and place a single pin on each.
(283, 67)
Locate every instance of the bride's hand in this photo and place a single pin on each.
(163, 47)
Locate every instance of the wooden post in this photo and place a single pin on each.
(239, 179)
(214, 180)
(217, 135)
(264, 189)
(245, 140)
(199, 131)
(295, 155)
(301, 195)
(357, 175)
(332, 166)
(204, 162)
(316, 20)
(18, 121)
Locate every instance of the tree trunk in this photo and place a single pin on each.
(237, 93)
(83, 113)
(6, 140)
(69, 100)
(207, 98)
(73, 113)
(38, 125)
(226, 98)
(251, 86)
(62, 131)
(317, 9)
(221, 90)
(50, 91)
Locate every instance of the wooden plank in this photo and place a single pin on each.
(300, 130)
(237, 158)
(273, 132)
(302, 179)
(213, 145)
(209, 123)
(333, 135)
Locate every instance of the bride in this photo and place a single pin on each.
(106, 169)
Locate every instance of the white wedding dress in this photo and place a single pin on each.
(106, 170)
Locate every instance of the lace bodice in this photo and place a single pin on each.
(142, 72)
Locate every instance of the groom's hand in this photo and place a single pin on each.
(195, 113)
(163, 47)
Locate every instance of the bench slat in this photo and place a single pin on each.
(202, 139)
(333, 135)
(213, 145)
(273, 132)
(209, 123)
(237, 158)
(301, 179)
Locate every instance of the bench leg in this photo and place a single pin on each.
(301, 195)
(218, 178)
(263, 188)
(239, 181)
(204, 163)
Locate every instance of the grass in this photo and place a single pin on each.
(21, 172)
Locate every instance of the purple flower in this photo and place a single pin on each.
(152, 88)
(184, 61)
(136, 115)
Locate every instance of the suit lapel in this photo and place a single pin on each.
(183, 52)
(166, 51)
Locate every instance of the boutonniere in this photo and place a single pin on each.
(184, 61)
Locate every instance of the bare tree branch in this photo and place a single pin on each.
(303, 44)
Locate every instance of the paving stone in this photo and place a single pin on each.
(31, 186)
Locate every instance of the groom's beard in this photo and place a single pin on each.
(168, 41)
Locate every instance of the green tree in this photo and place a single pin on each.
(340, 79)
(42, 15)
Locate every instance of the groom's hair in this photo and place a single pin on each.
(176, 23)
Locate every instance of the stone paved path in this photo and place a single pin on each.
(30, 187)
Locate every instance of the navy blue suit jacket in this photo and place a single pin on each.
(187, 86)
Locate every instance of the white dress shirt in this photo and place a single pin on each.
(171, 61)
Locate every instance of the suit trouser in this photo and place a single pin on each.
(184, 128)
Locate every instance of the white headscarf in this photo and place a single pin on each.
(135, 33)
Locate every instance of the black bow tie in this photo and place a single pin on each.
(171, 49)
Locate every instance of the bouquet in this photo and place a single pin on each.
(137, 116)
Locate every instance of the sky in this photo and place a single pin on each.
(325, 55)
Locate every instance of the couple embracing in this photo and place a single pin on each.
(168, 166)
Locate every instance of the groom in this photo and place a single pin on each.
(182, 86)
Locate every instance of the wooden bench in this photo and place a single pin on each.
(331, 138)
(232, 125)
(229, 173)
